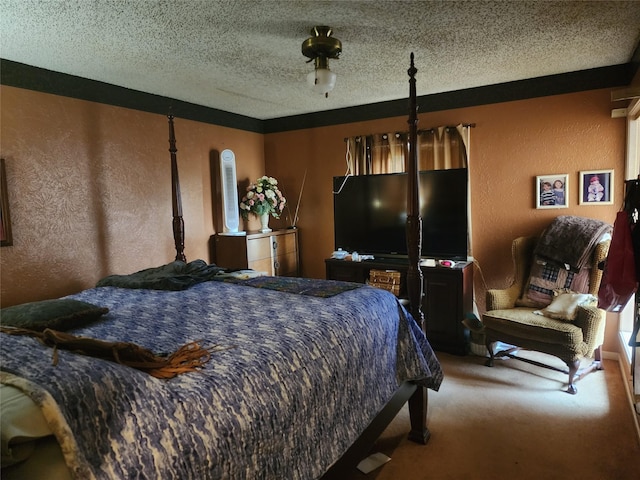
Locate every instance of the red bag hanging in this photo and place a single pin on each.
(619, 281)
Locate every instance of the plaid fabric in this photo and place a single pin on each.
(546, 278)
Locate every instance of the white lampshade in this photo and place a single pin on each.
(322, 80)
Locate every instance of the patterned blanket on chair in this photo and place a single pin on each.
(561, 259)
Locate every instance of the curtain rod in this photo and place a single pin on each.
(469, 125)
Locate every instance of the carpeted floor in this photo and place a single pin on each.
(514, 421)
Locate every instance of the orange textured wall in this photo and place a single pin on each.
(89, 184)
(511, 144)
(90, 193)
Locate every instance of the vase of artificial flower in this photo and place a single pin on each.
(263, 199)
(264, 223)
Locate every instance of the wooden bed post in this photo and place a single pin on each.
(414, 222)
(178, 223)
(418, 402)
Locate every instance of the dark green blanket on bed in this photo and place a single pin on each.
(301, 286)
(180, 276)
(173, 276)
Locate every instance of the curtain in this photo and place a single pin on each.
(439, 148)
(358, 158)
(442, 148)
(378, 153)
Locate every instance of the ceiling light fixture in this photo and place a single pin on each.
(320, 47)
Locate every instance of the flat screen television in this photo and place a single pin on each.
(370, 213)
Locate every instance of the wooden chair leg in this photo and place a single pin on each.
(597, 364)
(597, 355)
(575, 373)
(489, 344)
(573, 369)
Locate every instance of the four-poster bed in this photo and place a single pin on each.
(279, 348)
(176, 198)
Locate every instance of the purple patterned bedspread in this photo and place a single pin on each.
(305, 378)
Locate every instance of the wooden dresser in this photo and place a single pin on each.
(275, 253)
(448, 296)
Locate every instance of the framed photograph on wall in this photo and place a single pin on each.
(5, 218)
(552, 191)
(596, 187)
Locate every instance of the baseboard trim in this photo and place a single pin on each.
(625, 372)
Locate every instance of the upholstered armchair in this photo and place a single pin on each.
(576, 333)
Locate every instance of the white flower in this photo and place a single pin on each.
(262, 197)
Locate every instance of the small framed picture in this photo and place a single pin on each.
(596, 187)
(552, 191)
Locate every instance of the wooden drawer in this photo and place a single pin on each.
(345, 273)
(284, 243)
(258, 248)
(286, 265)
(275, 253)
(262, 265)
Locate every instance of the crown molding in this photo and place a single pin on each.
(33, 78)
(19, 75)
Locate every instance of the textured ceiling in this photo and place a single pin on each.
(244, 56)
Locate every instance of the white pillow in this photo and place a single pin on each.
(565, 305)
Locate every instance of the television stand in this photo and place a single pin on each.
(448, 296)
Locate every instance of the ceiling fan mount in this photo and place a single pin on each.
(319, 48)
(321, 44)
